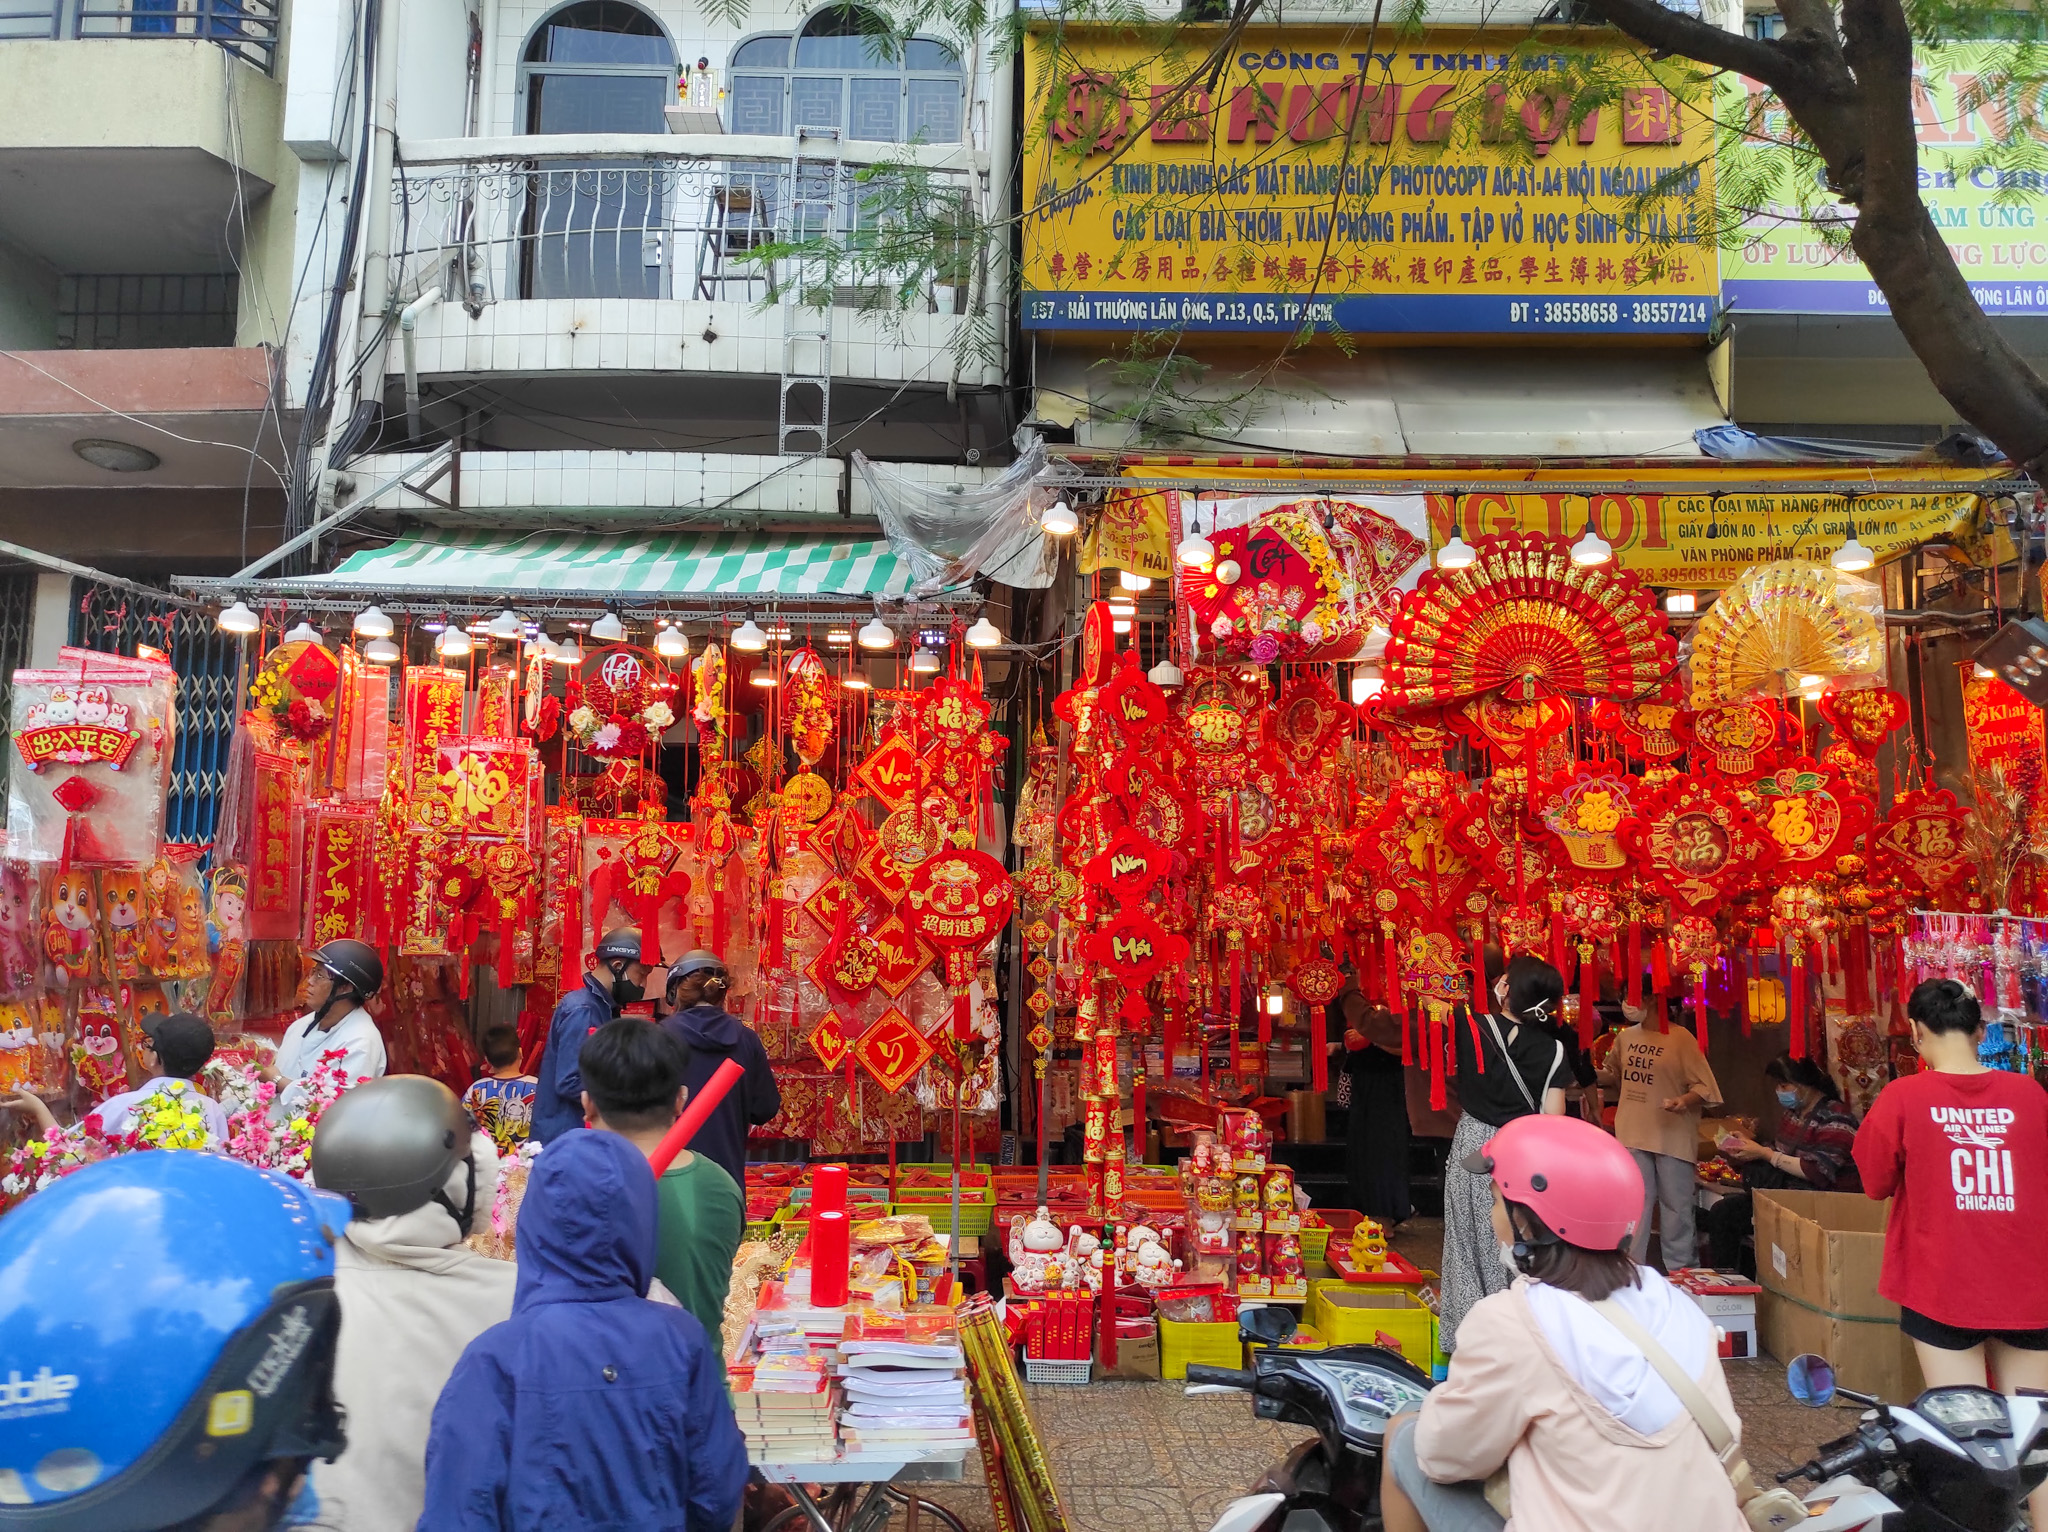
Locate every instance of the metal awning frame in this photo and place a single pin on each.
(1200, 475)
(705, 607)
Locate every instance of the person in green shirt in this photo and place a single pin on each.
(633, 1086)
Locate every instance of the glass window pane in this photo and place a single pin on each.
(762, 53)
(877, 109)
(924, 56)
(850, 51)
(597, 103)
(935, 111)
(815, 101)
(600, 32)
(757, 103)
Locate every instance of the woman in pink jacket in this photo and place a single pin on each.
(1546, 1386)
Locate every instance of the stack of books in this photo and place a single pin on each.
(785, 1405)
(903, 1375)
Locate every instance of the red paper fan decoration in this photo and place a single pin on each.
(1509, 727)
(1523, 619)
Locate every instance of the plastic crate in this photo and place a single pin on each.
(1337, 1222)
(1210, 1345)
(1357, 1316)
(764, 1229)
(1067, 1374)
(975, 1218)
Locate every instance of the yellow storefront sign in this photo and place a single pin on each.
(1340, 180)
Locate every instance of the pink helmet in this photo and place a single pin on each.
(1575, 1177)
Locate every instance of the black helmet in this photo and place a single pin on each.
(701, 960)
(389, 1145)
(621, 945)
(355, 964)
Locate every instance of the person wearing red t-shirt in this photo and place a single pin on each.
(1962, 1151)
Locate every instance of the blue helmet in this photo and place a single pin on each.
(167, 1324)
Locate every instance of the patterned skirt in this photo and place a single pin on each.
(1472, 1267)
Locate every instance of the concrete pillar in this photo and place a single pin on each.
(50, 628)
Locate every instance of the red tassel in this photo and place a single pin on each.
(1236, 970)
(771, 957)
(1478, 1048)
(1479, 1000)
(1699, 1009)
(1265, 1020)
(1560, 954)
(1742, 982)
(1856, 970)
(1397, 1001)
(1407, 1045)
(1589, 994)
(1660, 968)
(1635, 964)
(1438, 1100)
(1319, 1049)
(1169, 1034)
(718, 911)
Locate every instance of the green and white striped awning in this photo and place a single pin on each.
(653, 565)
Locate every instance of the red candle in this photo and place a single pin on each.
(699, 1107)
(828, 1189)
(831, 1240)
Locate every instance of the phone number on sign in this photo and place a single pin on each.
(1637, 311)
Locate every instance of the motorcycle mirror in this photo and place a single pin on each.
(1810, 1379)
(1269, 1325)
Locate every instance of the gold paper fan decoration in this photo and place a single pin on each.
(1779, 624)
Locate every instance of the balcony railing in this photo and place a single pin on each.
(246, 28)
(568, 223)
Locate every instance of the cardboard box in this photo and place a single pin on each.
(1818, 1255)
(1137, 1356)
(1728, 1299)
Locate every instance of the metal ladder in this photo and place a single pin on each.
(806, 325)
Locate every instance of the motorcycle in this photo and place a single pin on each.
(1346, 1395)
(1959, 1459)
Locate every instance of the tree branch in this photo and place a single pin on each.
(1669, 32)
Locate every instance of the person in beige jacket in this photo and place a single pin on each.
(1545, 1387)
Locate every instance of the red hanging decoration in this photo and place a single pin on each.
(1316, 983)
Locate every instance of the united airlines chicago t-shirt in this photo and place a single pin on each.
(1964, 1159)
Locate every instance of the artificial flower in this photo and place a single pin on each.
(583, 720)
(658, 715)
(606, 738)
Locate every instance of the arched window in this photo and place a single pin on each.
(843, 72)
(595, 228)
(599, 66)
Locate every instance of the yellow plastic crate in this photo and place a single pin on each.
(1357, 1316)
(1210, 1345)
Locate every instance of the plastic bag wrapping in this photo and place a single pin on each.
(950, 534)
(91, 760)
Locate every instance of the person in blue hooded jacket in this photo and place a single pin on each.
(617, 979)
(591, 1407)
(697, 987)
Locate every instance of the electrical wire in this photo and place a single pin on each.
(147, 425)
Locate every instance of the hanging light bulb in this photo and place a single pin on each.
(505, 625)
(1457, 553)
(1365, 685)
(764, 676)
(839, 638)
(1985, 673)
(1121, 626)
(371, 623)
(1681, 603)
(453, 643)
(855, 680)
(1060, 520)
(302, 632)
(239, 619)
(546, 647)
(608, 629)
(749, 638)
(1592, 549)
(1275, 1001)
(1132, 582)
(925, 662)
(877, 634)
(1166, 675)
(1852, 557)
(569, 652)
(381, 651)
(1122, 606)
(984, 634)
(671, 644)
(1195, 550)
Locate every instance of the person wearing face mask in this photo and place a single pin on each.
(1507, 1066)
(616, 979)
(1812, 1150)
(1664, 1082)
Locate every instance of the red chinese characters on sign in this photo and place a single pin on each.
(270, 872)
(1922, 843)
(76, 744)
